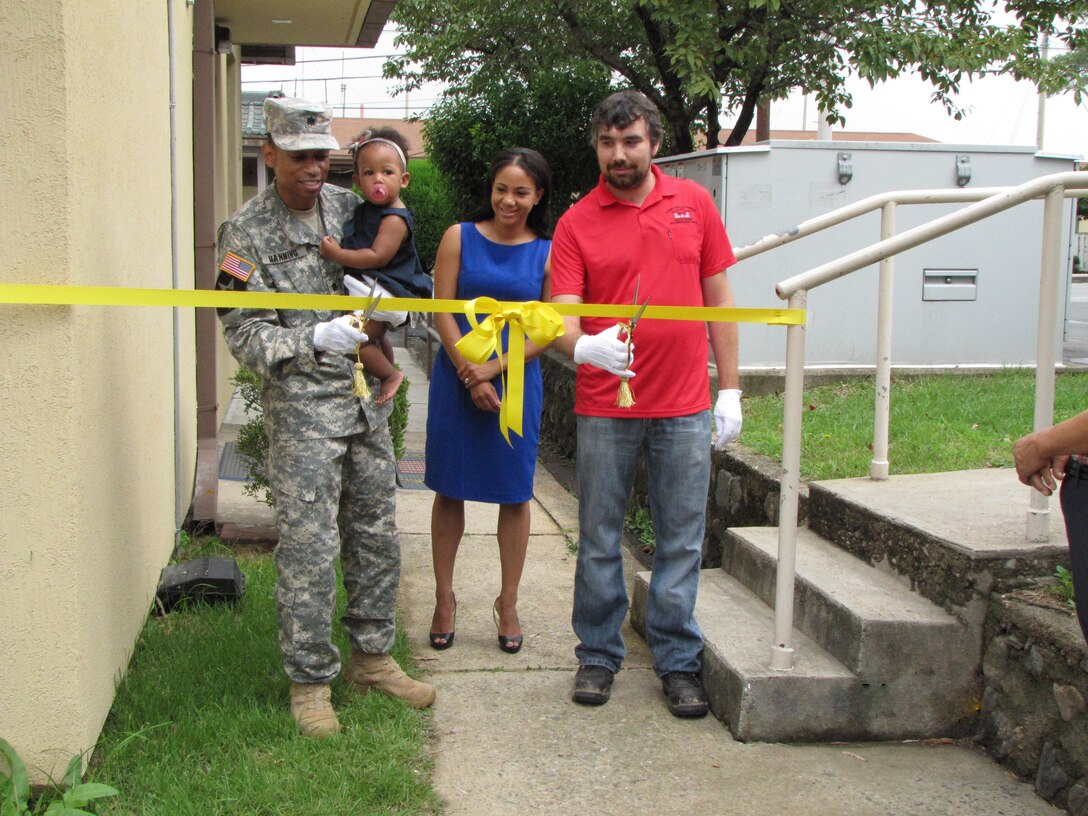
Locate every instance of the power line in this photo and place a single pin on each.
(345, 59)
(311, 79)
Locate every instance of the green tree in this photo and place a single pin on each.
(429, 197)
(1076, 61)
(698, 59)
(549, 113)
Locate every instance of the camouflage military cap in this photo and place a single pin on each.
(295, 124)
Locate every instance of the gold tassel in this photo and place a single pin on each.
(625, 398)
(360, 389)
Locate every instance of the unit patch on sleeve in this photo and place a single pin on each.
(237, 267)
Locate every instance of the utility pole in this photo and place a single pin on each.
(1040, 125)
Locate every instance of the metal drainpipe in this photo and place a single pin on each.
(180, 504)
(206, 489)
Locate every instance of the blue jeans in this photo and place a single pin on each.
(677, 451)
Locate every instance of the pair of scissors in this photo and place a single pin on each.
(369, 311)
(634, 320)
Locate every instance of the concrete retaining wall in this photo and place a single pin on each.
(1033, 718)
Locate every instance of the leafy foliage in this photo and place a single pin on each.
(638, 521)
(398, 420)
(1076, 61)
(697, 59)
(252, 442)
(428, 196)
(68, 800)
(1064, 588)
(548, 113)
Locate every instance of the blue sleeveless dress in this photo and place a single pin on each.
(467, 457)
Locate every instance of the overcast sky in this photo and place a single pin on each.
(1002, 111)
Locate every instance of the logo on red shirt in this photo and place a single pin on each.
(683, 215)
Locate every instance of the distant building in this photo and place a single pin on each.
(811, 135)
(345, 128)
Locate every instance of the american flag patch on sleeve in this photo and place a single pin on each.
(237, 266)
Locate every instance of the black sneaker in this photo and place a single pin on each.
(592, 685)
(684, 694)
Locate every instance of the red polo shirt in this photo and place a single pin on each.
(602, 247)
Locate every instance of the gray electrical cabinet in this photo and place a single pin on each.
(967, 298)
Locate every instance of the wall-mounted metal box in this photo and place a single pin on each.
(949, 284)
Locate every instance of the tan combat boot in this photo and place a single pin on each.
(311, 707)
(381, 672)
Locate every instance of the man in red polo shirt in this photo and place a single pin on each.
(645, 231)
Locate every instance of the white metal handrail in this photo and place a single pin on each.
(1053, 188)
(886, 203)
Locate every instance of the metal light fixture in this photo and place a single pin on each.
(846, 168)
(963, 170)
(222, 40)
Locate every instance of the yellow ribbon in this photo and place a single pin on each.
(540, 322)
(51, 295)
(537, 321)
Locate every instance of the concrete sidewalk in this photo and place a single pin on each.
(508, 740)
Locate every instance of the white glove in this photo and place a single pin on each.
(356, 288)
(727, 418)
(605, 351)
(338, 336)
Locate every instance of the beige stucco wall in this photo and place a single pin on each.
(89, 508)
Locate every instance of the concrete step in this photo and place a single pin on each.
(811, 703)
(872, 660)
(953, 552)
(866, 617)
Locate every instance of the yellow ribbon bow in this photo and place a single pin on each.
(537, 321)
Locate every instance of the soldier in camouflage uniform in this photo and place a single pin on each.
(330, 460)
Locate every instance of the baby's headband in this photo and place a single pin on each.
(403, 159)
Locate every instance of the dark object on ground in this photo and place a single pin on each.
(209, 580)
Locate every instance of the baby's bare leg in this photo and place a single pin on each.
(377, 358)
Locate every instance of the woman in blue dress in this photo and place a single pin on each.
(504, 255)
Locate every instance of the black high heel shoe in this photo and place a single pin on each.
(511, 644)
(443, 640)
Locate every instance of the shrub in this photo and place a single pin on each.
(252, 444)
(428, 197)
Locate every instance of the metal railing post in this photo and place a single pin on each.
(1038, 518)
(878, 466)
(789, 490)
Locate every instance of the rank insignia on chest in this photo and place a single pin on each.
(237, 266)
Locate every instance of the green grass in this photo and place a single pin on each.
(201, 725)
(938, 423)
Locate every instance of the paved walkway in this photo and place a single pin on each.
(507, 739)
